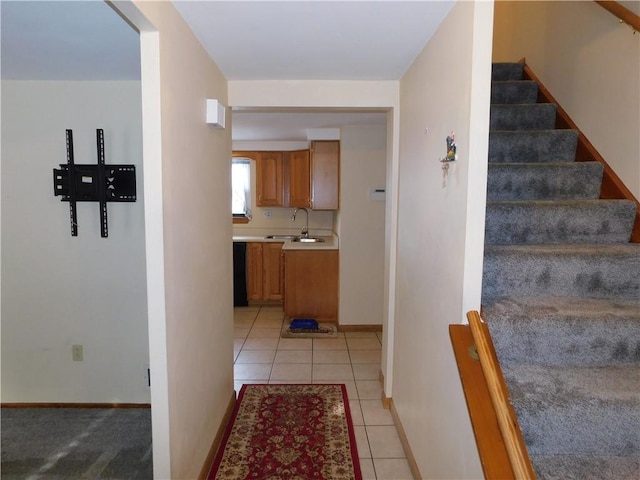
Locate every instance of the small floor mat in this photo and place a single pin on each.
(324, 330)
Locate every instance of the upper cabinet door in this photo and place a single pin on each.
(299, 179)
(325, 175)
(269, 179)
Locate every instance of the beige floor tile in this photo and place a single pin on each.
(375, 414)
(249, 308)
(366, 467)
(241, 332)
(238, 343)
(268, 322)
(332, 372)
(384, 442)
(236, 352)
(260, 344)
(366, 356)
(364, 344)
(369, 389)
(295, 344)
(298, 372)
(360, 335)
(352, 391)
(362, 442)
(356, 412)
(366, 371)
(256, 356)
(237, 385)
(392, 469)
(259, 332)
(329, 344)
(331, 356)
(251, 371)
(293, 356)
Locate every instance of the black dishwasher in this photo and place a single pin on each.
(240, 274)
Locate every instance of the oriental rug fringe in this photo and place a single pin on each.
(289, 432)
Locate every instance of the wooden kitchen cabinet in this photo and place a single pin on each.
(269, 179)
(299, 179)
(272, 272)
(311, 284)
(325, 174)
(265, 272)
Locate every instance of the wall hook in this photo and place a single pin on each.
(451, 157)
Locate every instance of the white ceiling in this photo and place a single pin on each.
(313, 40)
(248, 40)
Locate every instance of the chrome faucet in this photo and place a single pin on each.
(305, 230)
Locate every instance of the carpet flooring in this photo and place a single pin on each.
(289, 432)
(561, 292)
(76, 443)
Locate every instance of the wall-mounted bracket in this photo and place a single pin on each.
(93, 183)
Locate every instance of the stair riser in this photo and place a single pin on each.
(542, 222)
(506, 71)
(541, 116)
(543, 272)
(569, 341)
(533, 147)
(533, 181)
(514, 92)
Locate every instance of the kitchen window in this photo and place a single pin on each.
(241, 188)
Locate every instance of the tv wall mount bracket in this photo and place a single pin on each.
(93, 183)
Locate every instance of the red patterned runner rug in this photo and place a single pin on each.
(289, 432)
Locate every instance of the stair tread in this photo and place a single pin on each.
(618, 249)
(532, 145)
(586, 467)
(562, 307)
(577, 409)
(569, 330)
(559, 221)
(520, 117)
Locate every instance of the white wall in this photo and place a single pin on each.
(440, 236)
(362, 224)
(59, 290)
(590, 63)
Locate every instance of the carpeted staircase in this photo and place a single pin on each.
(561, 292)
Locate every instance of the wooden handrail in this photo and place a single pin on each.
(623, 13)
(516, 450)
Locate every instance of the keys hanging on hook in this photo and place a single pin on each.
(445, 174)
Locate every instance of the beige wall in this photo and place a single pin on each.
(187, 162)
(363, 160)
(440, 236)
(591, 65)
(59, 290)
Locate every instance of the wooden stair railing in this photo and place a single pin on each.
(502, 451)
(623, 13)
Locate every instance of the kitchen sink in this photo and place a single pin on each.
(307, 239)
(281, 237)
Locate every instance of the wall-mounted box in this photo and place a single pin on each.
(215, 113)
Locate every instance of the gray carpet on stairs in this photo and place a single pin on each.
(561, 292)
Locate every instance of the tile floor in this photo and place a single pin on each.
(261, 356)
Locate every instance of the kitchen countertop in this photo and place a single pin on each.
(330, 240)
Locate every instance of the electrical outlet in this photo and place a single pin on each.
(266, 213)
(77, 353)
